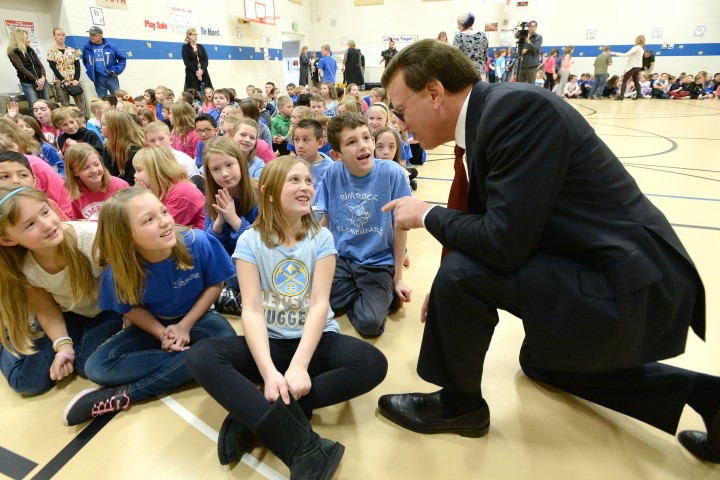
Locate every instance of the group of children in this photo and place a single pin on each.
(555, 75)
(119, 268)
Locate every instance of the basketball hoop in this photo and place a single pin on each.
(270, 20)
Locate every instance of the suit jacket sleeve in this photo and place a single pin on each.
(525, 150)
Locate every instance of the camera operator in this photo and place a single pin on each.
(530, 55)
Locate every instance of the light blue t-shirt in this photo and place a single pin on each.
(317, 170)
(256, 167)
(286, 279)
(170, 292)
(362, 232)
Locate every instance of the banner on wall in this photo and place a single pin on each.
(29, 27)
(119, 4)
(181, 19)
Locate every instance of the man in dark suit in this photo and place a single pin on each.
(557, 233)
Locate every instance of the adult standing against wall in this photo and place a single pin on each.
(633, 66)
(195, 58)
(473, 44)
(304, 66)
(64, 61)
(103, 63)
(314, 73)
(30, 70)
(327, 66)
(560, 236)
(353, 66)
(387, 55)
(530, 55)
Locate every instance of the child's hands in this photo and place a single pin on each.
(224, 204)
(13, 110)
(276, 386)
(62, 365)
(70, 142)
(298, 381)
(175, 338)
(402, 290)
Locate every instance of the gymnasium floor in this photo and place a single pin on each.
(670, 147)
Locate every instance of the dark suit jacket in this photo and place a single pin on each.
(603, 279)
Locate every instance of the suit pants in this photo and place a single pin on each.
(461, 319)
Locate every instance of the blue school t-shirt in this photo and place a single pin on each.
(286, 279)
(317, 170)
(362, 232)
(168, 291)
(256, 168)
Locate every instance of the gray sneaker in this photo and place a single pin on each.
(93, 402)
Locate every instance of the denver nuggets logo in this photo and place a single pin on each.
(290, 278)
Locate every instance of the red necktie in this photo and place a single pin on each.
(457, 199)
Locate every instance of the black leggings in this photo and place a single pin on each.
(632, 73)
(341, 368)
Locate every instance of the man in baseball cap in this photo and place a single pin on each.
(103, 62)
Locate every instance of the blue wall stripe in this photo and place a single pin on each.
(157, 50)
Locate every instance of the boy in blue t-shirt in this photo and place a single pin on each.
(368, 271)
(206, 128)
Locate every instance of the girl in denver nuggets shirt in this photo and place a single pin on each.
(291, 345)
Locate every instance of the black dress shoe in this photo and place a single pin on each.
(705, 446)
(423, 413)
(233, 441)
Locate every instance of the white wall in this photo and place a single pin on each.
(560, 22)
(615, 24)
(74, 17)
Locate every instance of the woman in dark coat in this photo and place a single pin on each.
(304, 66)
(195, 58)
(353, 68)
(314, 74)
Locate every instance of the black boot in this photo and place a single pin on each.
(234, 440)
(285, 430)
(229, 302)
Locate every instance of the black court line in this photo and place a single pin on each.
(670, 166)
(15, 466)
(701, 227)
(673, 144)
(73, 448)
(677, 173)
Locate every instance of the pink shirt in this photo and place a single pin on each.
(51, 133)
(566, 62)
(550, 65)
(50, 182)
(185, 143)
(264, 151)
(186, 203)
(87, 206)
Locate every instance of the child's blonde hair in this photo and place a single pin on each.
(381, 94)
(162, 169)
(96, 105)
(156, 126)
(123, 133)
(59, 115)
(248, 197)
(114, 247)
(183, 117)
(352, 105)
(25, 143)
(271, 223)
(302, 112)
(14, 307)
(283, 100)
(75, 159)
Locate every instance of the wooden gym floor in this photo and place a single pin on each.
(670, 147)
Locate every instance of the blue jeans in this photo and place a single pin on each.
(599, 85)
(106, 85)
(134, 358)
(30, 374)
(32, 95)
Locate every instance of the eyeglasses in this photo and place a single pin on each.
(204, 131)
(401, 116)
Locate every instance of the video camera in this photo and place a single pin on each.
(522, 32)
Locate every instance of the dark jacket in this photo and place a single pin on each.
(28, 67)
(604, 281)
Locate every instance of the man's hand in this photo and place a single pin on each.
(409, 212)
